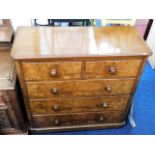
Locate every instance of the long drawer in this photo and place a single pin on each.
(74, 105)
(77, 119)
(79, 88)
(52, 70)
(113, 68)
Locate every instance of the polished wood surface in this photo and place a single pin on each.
(79, 88)
(78, 119)
(52, 71)
(73, 70)
(70, 105)
(78, 77)
(113, 68)
(58, 42)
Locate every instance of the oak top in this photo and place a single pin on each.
(58, 42)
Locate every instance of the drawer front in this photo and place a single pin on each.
(71, 105)
(120, 68)
(77, 119)
(79, 88)
(52, 71)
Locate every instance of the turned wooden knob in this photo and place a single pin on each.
(108, 88)
(56, 107)
(55, 91)
(54, 73)
(103, 104)
(112, 70)
(101, 118)
(56, 122)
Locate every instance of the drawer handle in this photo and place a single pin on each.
(101, 119)
(108, 88)
(55, 91)
(56, 121)
(112, 70)
(56, 107)
(54, 73)
(103, 105)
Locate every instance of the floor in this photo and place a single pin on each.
(144, 110)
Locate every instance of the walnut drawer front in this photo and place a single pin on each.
(113, 68)
(77, 119)
(79, 88)
(75, 105)
(52, 70)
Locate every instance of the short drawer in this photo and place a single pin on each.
(115, 68)
(74, 105)
(52, 70)
(79, 88)
(77, 119)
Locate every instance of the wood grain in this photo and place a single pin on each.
(71, 105)
(63, 42)
(78, 119)
(101, 69)
(42, 71)
(89, 66)
(79, 88)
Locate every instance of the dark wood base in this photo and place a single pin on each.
(12, 131)
(76, 127)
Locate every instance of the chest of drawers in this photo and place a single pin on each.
(78, 78)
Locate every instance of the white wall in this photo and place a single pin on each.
(20, 22)
(151, 42)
